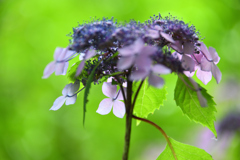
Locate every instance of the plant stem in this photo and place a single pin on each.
(161, 130)
(129, 112)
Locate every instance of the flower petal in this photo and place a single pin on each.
(57, 52)
(153, 33)
(120, 96)
(216, 73)
(167, 37)
(214, 55)
(205, 64)
(148, 50)
(132, 49)
(155, 81)
(61, 68)
(90, 53)
(58, 103)
(49, 69)
(205, 51)
(66, 88)
(80, 68)
(109, 90)
(143, 61)
(71, 100)
(139, 74)
(188, 63)
(73, 88)
(177, 46)
(105, 106)
(125, 62)
(204, 76)
(188, 48)
(161, 69)
(188, 74)
(119, 109)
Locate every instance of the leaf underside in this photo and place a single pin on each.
(184, 152)
(187, 100)
(149, 99)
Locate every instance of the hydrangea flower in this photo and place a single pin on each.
(136, 53)
(60, 63)
(113, 101)
(69, 95)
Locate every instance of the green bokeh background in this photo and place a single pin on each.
(29, 33)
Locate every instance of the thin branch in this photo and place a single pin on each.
(162, 131)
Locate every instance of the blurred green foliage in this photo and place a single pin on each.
(29, 33)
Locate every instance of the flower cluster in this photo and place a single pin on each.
(132, 51)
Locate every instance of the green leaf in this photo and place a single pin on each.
(184, 152)
(188, 101)
(87, 88)
(149, 99)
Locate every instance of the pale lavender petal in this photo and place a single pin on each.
(90, 53)
(65, 68)
(148, 50)
(167, 37)
(205, 51)
(197, 57)
(204, 76)
(49, 69)
(214, 55)
(119, 109)
(143, 61)
(109, 90)
(188, 48)
(62, 55)
(155, 81)
(160, 69)
(205, 64)
(188, 63)
(139, 74)
(125, 62)
(66, 89)
(177, 46)
(57, 52)
(105, 106)
(153, 33)
(71, 100)
(58, 103)
(216, 73)
(157, 27)
(80, 68)
(120, 95)
(61, 68)
(73, 88)
(188, 74)
(202, 100)
(134, 48)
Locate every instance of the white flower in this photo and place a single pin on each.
(107, 104)
(69, 95)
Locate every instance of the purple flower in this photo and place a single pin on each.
(69, 95)
(209, 61)
(157, 31)
(136, 53)
(90, 53)
(151, 72)
(60, 63)
(113, 101)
